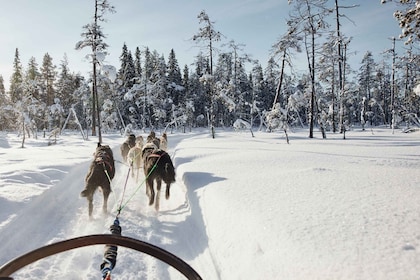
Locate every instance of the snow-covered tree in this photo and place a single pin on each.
(33, 89)
(208, 35)
(16, 79)
(175, 87)
(94, 38)
(366, 78)
(271, 77)
(258, 89)
(48, 75)
(283, 48)
(127, 72)
(6, 119)
(161, 103)
(408, 18)
(310, 18)
(328, 61)
(65, 85)
(137, 63)
(33, 76)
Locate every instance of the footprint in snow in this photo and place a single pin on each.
(408, 247)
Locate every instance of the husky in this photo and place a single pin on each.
(134, 157)
(129, 143)
(163, 142)
(101, 172)
(158, 166)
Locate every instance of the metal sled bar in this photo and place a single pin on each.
(98, 239)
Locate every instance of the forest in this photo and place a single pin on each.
(224, 85)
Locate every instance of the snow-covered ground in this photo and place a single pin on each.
(242, 207)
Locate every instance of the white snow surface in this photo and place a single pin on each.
(242, 207)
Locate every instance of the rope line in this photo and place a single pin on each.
(110, 254)
(110, 181)
(123, 205)
(123, 193)
(141, 184)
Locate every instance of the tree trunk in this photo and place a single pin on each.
(280, 81)
(95, 92)
(312, 71)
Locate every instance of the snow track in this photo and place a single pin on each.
(242, 207)
(170, 228)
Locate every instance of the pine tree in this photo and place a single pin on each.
(33, 88)
(123, 60)
(127, 72)
(199, 91)
(148, 64)
(271, 76)
(258, 89)
(366, 77)
(66, 85)
(33, 78)
(186, 102)
(48, 75)
(174, 78)
(224, 96)
(160, 102)
(137, 63)
(4, 105)
(3, 96)
(16, 80)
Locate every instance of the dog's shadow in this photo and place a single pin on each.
(197, 180)
(193, 181)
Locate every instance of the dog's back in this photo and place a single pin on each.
(101, 172)
(158, 165)
(151, 138)
(102, 167)
(134, 156)
(139, 141)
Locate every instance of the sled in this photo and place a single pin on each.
(11, 267)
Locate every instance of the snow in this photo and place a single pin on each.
(417, 90)
(242, 207)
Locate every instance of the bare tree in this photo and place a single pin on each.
(288, 42)
(309, 18)
(94, 38)
(340, 43)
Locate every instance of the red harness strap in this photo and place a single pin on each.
(156, 155)
(105, 159)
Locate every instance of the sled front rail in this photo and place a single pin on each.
(98, 239)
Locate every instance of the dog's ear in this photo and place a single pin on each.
(99, 144)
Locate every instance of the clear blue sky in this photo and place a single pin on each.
(54, 27)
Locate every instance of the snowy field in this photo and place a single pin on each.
(241, 208)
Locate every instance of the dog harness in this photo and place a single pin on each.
(103, 158)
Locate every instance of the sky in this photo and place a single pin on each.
(242, 207)
(55, 26)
